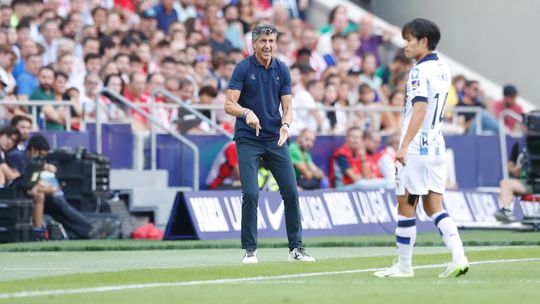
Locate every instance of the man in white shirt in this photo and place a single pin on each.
(421, 166)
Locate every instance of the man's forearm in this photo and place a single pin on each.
(415, 124)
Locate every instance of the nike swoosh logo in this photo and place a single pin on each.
(274, 217)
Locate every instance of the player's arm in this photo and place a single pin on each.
(232, 107)
(286, 106)
(417, 118)
(231, 103)
(286, 119)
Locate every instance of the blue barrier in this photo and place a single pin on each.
(477, 158)
(217, 214)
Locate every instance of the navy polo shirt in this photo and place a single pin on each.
(260, 91)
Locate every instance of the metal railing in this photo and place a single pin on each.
(34, 104)
(154, 121)
(349, 109)
(502, 137)
(212, 122)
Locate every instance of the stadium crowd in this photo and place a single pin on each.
(344, 80)
(59, 50)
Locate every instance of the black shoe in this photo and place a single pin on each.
(505, 215)
(300, 254)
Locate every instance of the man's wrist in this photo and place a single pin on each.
(245, 113)
(285, 124)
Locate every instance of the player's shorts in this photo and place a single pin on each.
(421, 174)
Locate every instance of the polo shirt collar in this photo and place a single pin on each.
(257, 63)
(428, 57)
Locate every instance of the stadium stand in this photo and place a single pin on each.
(166, 65)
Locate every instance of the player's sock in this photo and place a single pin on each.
(450, 235)
(405, 238)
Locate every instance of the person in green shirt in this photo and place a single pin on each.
(308, 175)
(45, 92)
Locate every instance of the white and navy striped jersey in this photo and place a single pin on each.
(429, 81)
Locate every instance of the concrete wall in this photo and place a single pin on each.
(497, 38)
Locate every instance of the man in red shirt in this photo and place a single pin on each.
(508, 102)
(224, 173)
(351, 167)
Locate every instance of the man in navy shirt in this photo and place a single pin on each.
(258, 86)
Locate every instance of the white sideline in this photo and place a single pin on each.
(26, 294)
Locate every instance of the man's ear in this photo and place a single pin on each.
(423, 41)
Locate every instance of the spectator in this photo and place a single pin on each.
(23, 123)
(284, 48)
(224, 173)
(66, 65)
(9, 138)
(454, 94)
(309, 41)
(308, 175)
(88, 99)
(217, 40)
(43, 92)
(335, 22)
(508, 102)
(207, 96)
(234, 32)
(166, 14)
(136, 93)
(27, 47)
(149, 22)
(370, 42)
(55, 117)
(471, 98)
(339, 25)
(116, 110)
(387, 159)
(7, 62)
(388, 74)
(49, 40)
(92, 65)
(395, 119)
(369, 69)
(339, 45)
(330, 99)
(76, 225)
(515, 185)
(280, 16)
(306, 106)
(27, 81)
(349, 167)
(185, 9)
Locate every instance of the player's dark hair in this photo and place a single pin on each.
(422, 28)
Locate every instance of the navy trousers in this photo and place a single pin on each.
(278, 161)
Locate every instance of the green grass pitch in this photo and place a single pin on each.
(210, 272)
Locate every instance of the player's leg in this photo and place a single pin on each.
(39, 207)
(509, 188)
(278, 161)
(249, 151)
(448, 230)
(405, 237)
